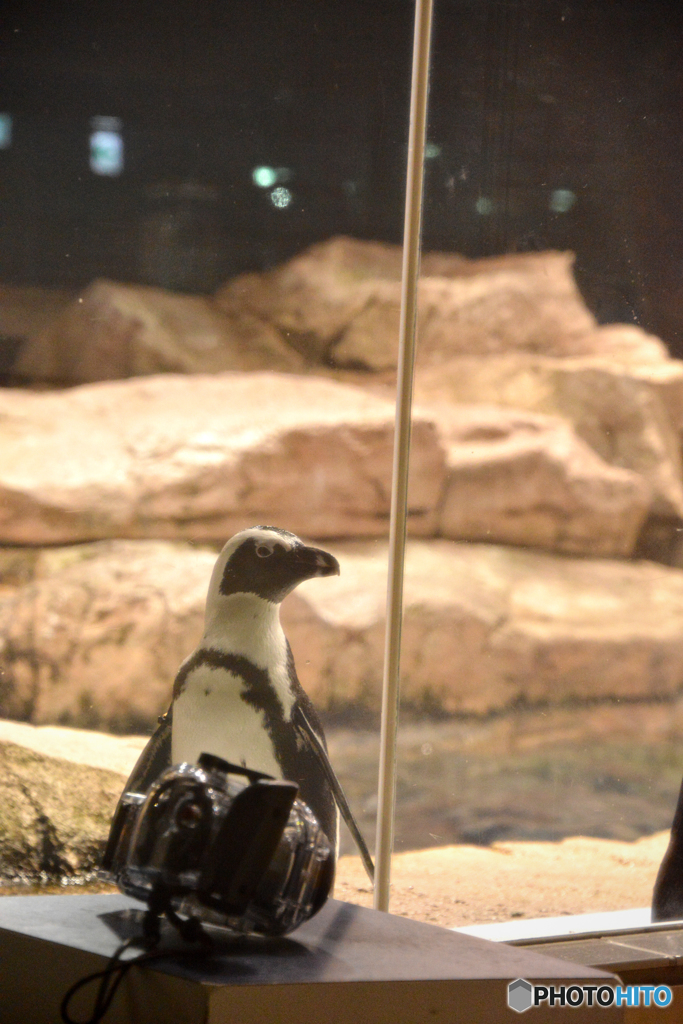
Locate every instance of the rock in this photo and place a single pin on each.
(24, 313)
(338, 303)
(370, 341)
(17, 566)
(490, 628)
(520, 303)
(114, 330)
(629, 344)
(521, 478)
(54, 816)
(96, 639)
(617, 412)
(666, 378)
(316, 298)
(116, 754)
(514, 310)
(201, 457)
(195, 458)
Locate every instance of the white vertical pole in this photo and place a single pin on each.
(399, 488)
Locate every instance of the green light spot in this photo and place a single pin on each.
(264, 177)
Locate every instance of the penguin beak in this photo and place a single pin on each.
(317, 562)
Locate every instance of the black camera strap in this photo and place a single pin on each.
(111, 976)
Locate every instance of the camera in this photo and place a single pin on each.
(223, 844)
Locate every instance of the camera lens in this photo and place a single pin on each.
(188, 815)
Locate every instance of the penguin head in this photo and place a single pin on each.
(269, 563)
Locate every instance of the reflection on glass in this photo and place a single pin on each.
(562, 200)
(106, 146)
(483, 206)
(5, 131)
(106, 153)
(264, 177)
(280, 198)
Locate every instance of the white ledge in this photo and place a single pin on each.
(586, 925)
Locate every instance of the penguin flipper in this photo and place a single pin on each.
(315, 745)
(154, 759)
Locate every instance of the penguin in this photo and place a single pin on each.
(667, 896)
(238, 696)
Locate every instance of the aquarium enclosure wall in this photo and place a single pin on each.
(552, 126)
(202, 218)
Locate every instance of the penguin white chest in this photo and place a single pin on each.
(211, 716)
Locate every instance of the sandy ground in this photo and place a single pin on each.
(461, 885)
(445, 885)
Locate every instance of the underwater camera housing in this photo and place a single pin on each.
(223, 844)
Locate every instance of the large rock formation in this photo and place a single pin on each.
(666, 378)
(338, 303)
(521, 478)
(200, 457)
(54, 816)
(537, 428)
(114, 330)
(491, 628)
(113, 753)
(337, 293)
(615, 410)
(197, 458)
(96, 638)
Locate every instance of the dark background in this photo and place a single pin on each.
(527, 97)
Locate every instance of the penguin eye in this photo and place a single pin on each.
(262, 551)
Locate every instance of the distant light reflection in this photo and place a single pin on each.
(280, 197)
(483, 206)
(5, 131)
(106, 146)
(561, 200)
(264, 177)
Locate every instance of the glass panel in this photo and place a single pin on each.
(527, 713)
(178, 363)
(163, 174)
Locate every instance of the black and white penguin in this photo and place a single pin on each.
(237, 695)
(667, 896)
